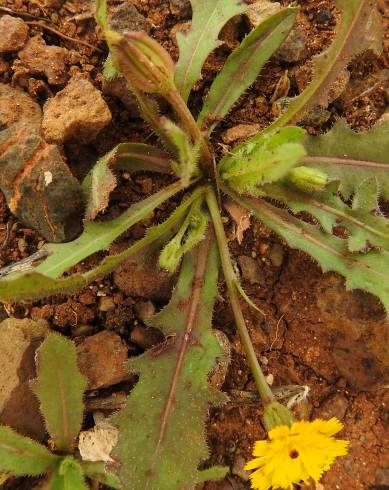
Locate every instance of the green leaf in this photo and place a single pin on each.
(99, 235)
(22, 456)
(60, 389)
(68, 476)
(244, 65)
(132, 157)
(97, 471)
(367, 271)
(267, 160)
(161, 430)
(359, 29)
(33, 285)
(351, 157)
(209, 16)
(101, 14)
(364, 227)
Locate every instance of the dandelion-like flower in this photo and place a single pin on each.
(297, 453)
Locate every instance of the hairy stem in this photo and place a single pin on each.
(231, 280)
(177, 102)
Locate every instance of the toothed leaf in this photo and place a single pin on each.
(161, 430)
(132, 157)
(22, 456)
(209, 16)
(359, 29)
(32, 285)
(60, 389)
(244, 65)
(351, 157)
(368, 271)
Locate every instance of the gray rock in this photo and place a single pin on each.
(250, 270)
(294, 48)
(13, 34)
(76, 113)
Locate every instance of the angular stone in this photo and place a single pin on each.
(76, 113)
(13, 34)
(250, 270)
(145, 281)
(126, 17)
(19, 407)
(38, 185)
(16, 106)
(39, 59)
(102, 359)
(260, 11)
(294, 48)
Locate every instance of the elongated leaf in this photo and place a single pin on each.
(369, 271)
(68, 476)
(97, 471)
(244, 65)
(60, 389)
(132, 157)
(360, 29)
(32, 285)
(351, 157)
(363, 226)
(209, 16)
(22, 456)
(161, 430)
(99, 235)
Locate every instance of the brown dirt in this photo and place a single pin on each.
(314, 333)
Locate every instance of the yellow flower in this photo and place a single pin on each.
(297, 453)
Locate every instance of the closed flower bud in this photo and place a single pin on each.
(144, 62)
(308, 179)
(276, 414)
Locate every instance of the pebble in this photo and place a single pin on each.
(260, 11)
(323, 16)
(239, 132)
(144, 311)
(250, 270)
(126, 17)
(317, 117)
(13, 34)
(276, 254)
(335, 406)
(39, 59)
(146, 337)
(294, 48)
(106, 303)
(102, 359)
(76, 113)
(16, 106)
(180, 8)
(117, 87)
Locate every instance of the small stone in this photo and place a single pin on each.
(146, 337)
(294, 48)
(238, 468)
(335, 406)
(323, 16)
(276, 254)
(19, 407)
(145, 281)
(102, 359)
(76, 113)
(250, 270)
(40, 59)
(106, 303)
(260, 11)
(144, 311)
(126, 17)
(17, 106)
(118, 87)
(239, 132)
(317, 117)
(13, 34)
(180, 8)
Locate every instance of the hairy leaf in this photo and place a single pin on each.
(97, 471)
(32, 285)
(351, 157)
(267, 160)
(132, 157)
(359, 30)
(161, 430)
(209, 16)
(99, 235)
(244, 64)
(21, 456)
(60, 389)
(369, 271)
(69, 476)
(363, 226)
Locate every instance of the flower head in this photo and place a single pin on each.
(297, 453)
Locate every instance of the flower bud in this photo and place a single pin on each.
(308, 179)
(144, 62)
(276, 414)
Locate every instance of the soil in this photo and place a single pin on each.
(314, 333)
